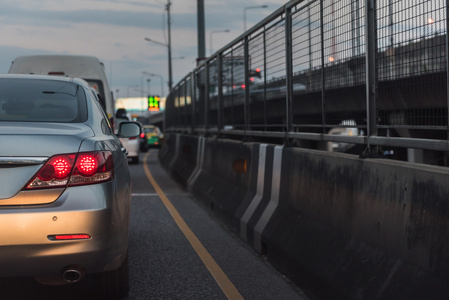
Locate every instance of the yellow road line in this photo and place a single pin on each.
(217, 273)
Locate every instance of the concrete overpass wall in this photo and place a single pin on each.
(356, 228)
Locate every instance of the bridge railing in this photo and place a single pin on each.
(362, 72)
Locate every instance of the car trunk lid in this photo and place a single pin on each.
(24, 147)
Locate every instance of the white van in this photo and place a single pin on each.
(88, 68)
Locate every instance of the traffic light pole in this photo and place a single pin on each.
(201, 30)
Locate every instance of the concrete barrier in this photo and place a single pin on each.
(185, 158)
(223, 182)
(370, 229)
(168, 149)
(356, 228)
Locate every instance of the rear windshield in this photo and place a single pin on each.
(150, 130)
(39, 100)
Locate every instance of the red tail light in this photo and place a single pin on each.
(74, 169)
(142, 135)
(87, 164)
(58, 167)
(62, 237)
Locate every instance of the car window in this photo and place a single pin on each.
(106, 127)
(96, 85)
(41, 101)
(149, 130)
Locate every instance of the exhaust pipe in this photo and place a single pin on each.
(72, 274)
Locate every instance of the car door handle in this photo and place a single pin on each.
(124, 150)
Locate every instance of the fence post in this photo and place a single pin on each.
(168, 113)
(447, 64)
(185, 115)
(206, 98)
(371, 80)
(193, 99)
(323, 74)
(174, 108)
(246, 80)
(289, 69)
(220, 92)
(265, 79)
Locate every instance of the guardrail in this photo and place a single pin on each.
(364, 72)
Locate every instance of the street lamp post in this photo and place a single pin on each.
(170, 77)
(201, 31)
(162, 81)
(169, 63)
(210, 37)
(244, 14)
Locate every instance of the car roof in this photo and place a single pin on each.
(78, 81)
(73, 65)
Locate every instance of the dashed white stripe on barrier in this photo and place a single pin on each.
(259, 192)
(274, 200)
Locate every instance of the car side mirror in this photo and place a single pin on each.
(128, 129)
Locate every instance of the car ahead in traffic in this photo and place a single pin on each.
(89, 68)
(66, 188)
(143, 141)
(132, 145)
(154, 136)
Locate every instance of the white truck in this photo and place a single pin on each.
(88, 68)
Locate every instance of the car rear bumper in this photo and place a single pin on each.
(133, 152)
(27, 250)
(153, 142)
(132, 146)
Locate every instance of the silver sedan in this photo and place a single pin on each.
(65, 187)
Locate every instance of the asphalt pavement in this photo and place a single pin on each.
(163, 263)
(184, 253)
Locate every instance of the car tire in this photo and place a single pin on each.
(113, 284)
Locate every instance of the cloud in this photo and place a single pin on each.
(114, 31)
(9, 53)
(40, 17)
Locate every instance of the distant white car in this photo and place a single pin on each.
(350, 130)
(132, 145)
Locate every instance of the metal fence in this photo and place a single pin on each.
(376, 69)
